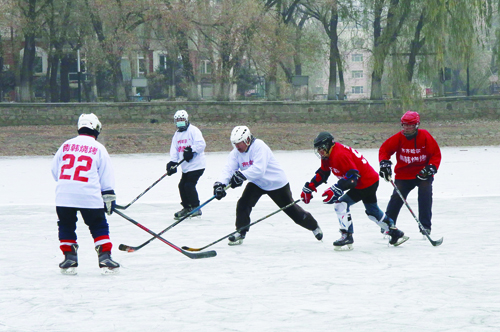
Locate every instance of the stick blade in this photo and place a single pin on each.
(191, 249)
(437, 243)
(198, 255)
(124, 247)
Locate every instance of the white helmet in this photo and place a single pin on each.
(89, 121)
(181, 114)
(241, 134)
(181, 119)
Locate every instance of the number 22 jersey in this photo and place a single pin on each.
(82, 168)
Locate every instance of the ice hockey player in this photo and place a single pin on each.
(417, 160)
(85, 182)
(188, 144)
(358, 181)
(251, 159)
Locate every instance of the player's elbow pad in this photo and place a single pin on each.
(320, 177)
(350, 181)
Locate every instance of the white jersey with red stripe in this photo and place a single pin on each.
(258, 165)
(192, 137)
(82, 168)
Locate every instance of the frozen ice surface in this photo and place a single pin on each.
(280, 279)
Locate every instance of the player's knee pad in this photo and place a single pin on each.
(382, 221)
(345, 220)
(340, 207)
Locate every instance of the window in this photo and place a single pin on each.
(357, 89)
(38, 65)
(163, 61)
(357, 58)
(357, 74)
(141, 66)
(205, 67)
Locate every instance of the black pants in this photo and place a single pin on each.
(424, 199)
(187, 188)
(282, 197)
(93, 218)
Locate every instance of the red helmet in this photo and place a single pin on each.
(411, 118)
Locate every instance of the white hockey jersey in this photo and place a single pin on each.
(258, 165)
(82, 168)
(190, 137)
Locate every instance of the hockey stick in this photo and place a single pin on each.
(207, 254)
(121, 207)
(434, 243)
(240, 229)
(124, 247)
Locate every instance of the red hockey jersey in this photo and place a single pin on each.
(411, 154)
(343, 158)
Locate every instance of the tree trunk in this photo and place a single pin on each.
(188, 69)
(118, 83)
(415, 46)
(376, 91)
(54, 68)
(26, 73)
(334, 53)
(65, 91)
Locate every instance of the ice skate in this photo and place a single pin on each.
(318, 233)
(196, 213)
(107, 265)
(70, 263)
(236, 239)
(425, 231)
(397, 237)
(345, 242)
(185, 212)
(182, 213)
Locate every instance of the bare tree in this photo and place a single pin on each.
(113, 22)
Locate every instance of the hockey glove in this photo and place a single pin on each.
(307, 190)
(332, 194)
(427, 172)
(219, 190)
(172, 167)
(188, 153)
(385, 170)
(237, 179)
(109, 199)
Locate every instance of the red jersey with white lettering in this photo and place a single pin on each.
(344, 158)
(412, 155)
(82, 168)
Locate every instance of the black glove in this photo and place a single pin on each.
(219, 190)
(172, 167)
(188, 153)
(385, 170)
(109, 199)
(237, 179)
(427, 172)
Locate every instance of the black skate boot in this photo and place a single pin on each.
(196, 213)
(318, 233)
(345, 242)
(236, 239)
(182, 213)
(425, 231)
(70, 263)
(107, 265)
(397, 236)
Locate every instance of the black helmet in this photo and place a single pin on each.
(324, 141)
